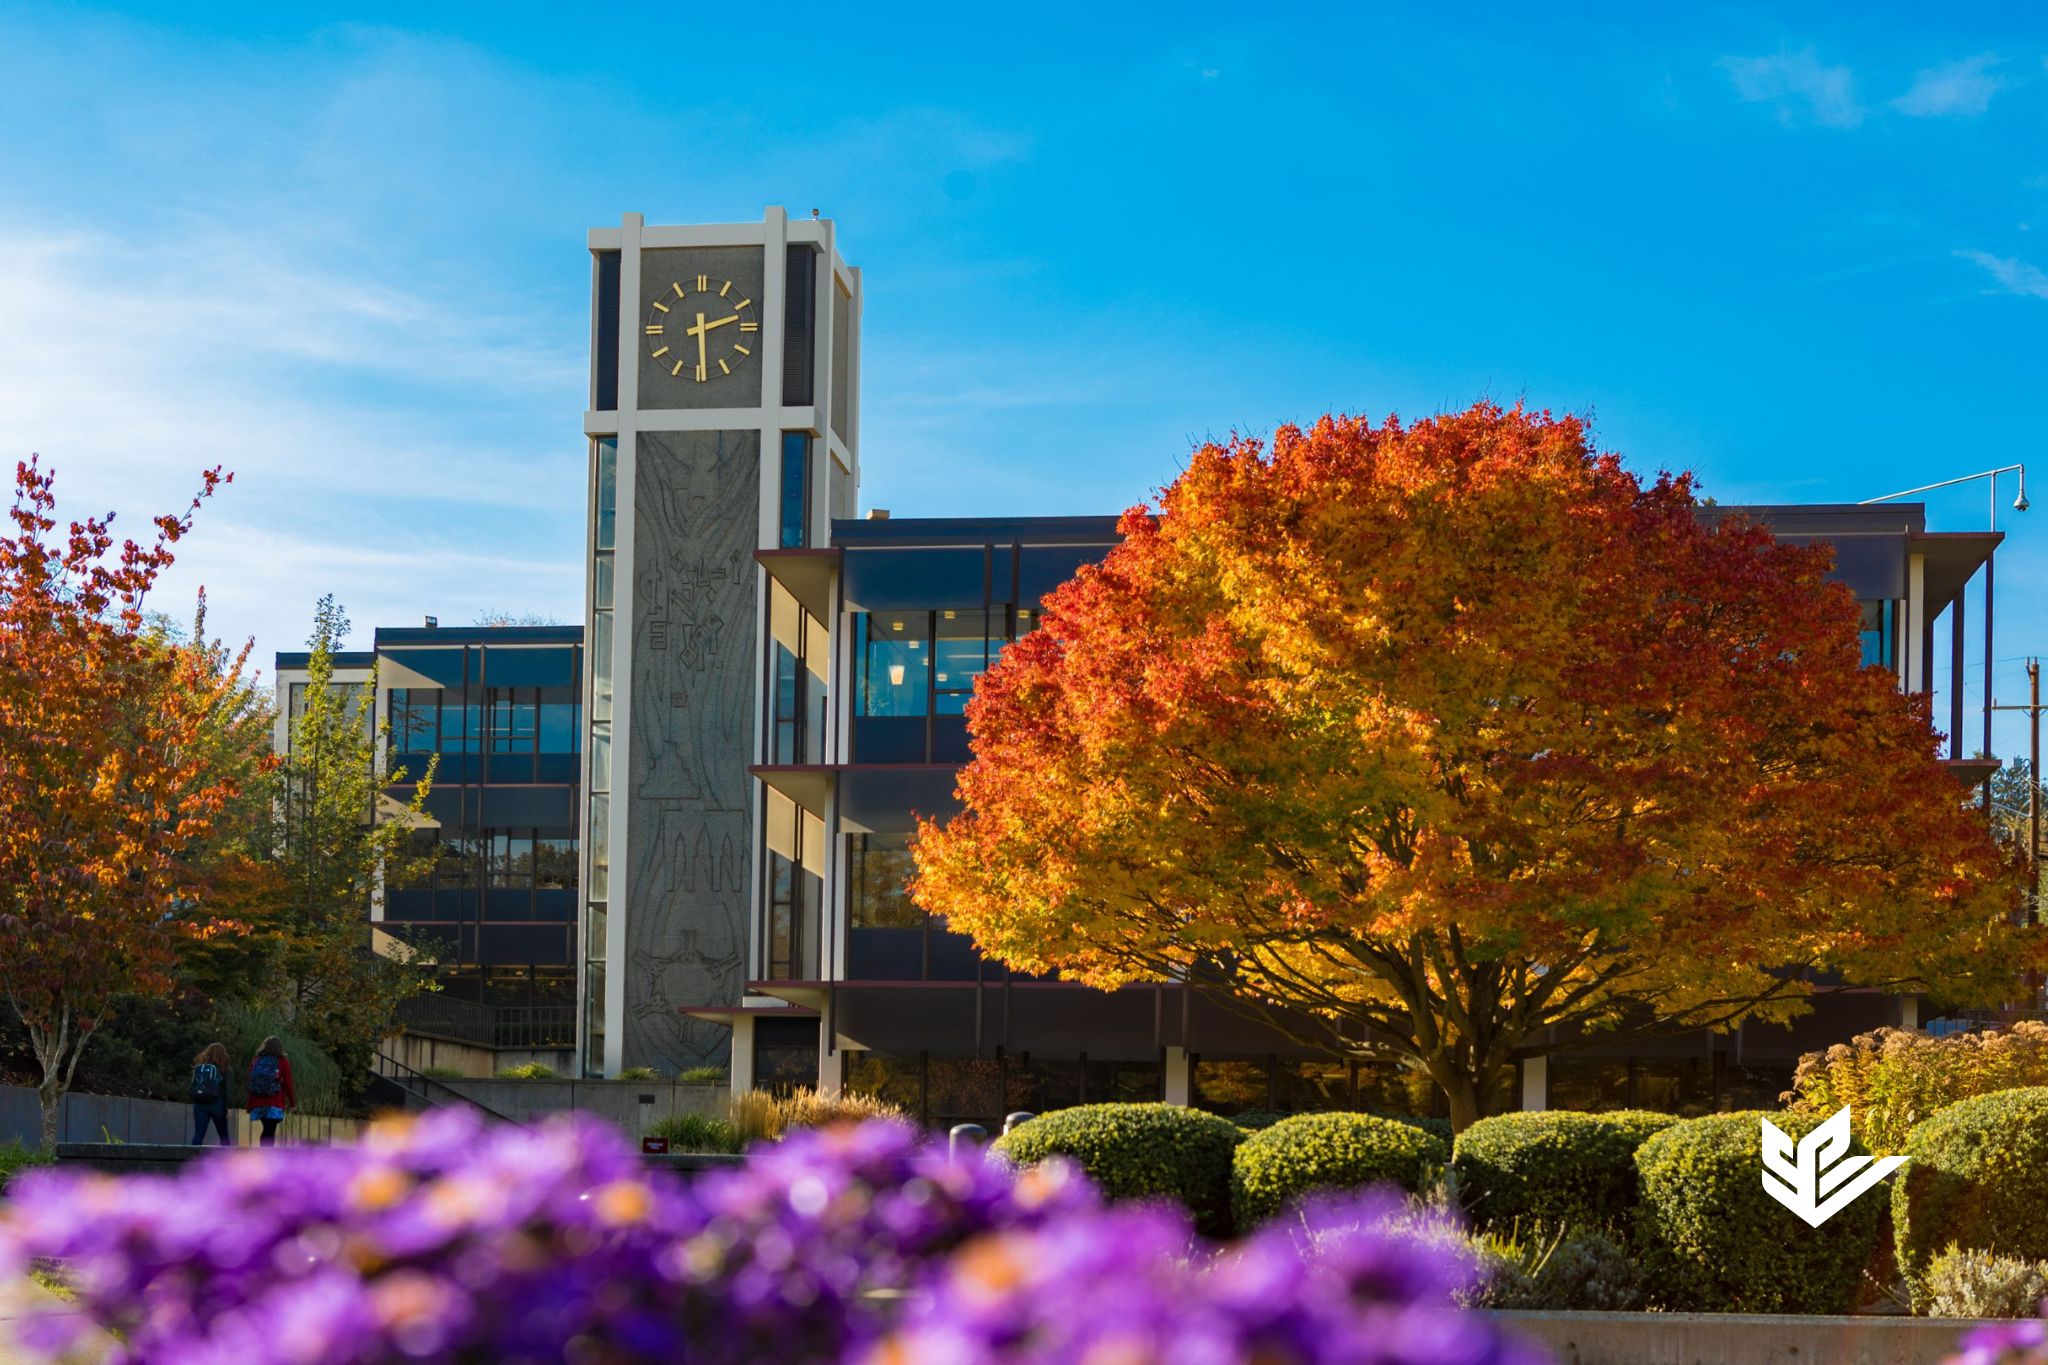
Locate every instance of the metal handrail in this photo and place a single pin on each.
(425, 1080)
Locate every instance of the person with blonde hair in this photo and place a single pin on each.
(209, 1093)
(270, 1088)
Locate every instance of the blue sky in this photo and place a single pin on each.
(1801, 253)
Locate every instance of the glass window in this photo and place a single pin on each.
(594, 923)
(415, 719)
(601, 665)
(896, 662)
(554, 863)
(882, 868)
(961, 653)
(1225, 1087)
(601, 757)
(515, 720)
(511, 856)
(593, 1017)
(561, 721)
(607, 499)
(1877, 634)
(796, 488)
(600, 846)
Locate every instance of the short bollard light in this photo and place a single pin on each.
(1012, 1121)
(964, 1135)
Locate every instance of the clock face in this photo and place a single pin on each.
(702, 327)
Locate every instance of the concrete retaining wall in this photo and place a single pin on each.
(629, 1105)
(1736, 1338)
(121, 1118)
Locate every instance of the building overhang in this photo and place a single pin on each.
(806, 574)
(727, 1013)
(874, 798)
(1952, 559)
(1971, 772)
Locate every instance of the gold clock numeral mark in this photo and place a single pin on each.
(743, 303)
(660, 353)
(701, 375)
(662, 307)
(741, 349)
(724, 368)
(679, 291)
(655, 330)
(750, 327)
(725, 289)
(703, 283)
(677, 370)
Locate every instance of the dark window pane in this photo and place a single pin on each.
(560, 727)
(896, 661)
(605, 347)
(882, 868)
(554, 864)
(796, 487)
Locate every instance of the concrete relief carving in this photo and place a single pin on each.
(695, 516)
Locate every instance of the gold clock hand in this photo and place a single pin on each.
(700, 329)
(703, 326)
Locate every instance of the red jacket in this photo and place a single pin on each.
(285, 1098)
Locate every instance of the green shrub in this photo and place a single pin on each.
(1591, 1272)
(444, 1073)
(808, 1109)
(1557, 1168)
(1894, 1078)
(1977, 1176)
(527, 1071)
(1582, 1272)
(1309, 1152)
(1137, 1151)
(1713, 1240)
(1961, 1283)
(696, 1133)
(702, 1075)
(638, 1073)
(1254, 1120)
(16, 1157)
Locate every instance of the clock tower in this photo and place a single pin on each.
(723, 421)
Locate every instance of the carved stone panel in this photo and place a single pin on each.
(695, 518)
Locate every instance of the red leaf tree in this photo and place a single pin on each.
(107, 780)
(1455, 745)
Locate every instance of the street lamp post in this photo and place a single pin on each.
(2019, 504)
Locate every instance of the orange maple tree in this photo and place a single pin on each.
(107, 783)
(1456, 744)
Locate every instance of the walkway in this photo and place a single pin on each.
(24, 1299)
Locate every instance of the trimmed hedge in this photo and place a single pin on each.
(1714, 1241)
(1568, 1169)
(1977, 1176)
(1137, 1151)
(1278, 1165)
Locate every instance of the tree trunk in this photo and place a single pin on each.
(57, 1053)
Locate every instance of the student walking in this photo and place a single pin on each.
(209, 1092)
(270, 1088)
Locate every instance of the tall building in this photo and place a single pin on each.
(777, 690)
(497, 711)
(724, 421)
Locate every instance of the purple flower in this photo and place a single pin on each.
(2005, 1343)
(442, 1240)
(1351, 1281)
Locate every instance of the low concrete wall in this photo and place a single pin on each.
(628, 1105)
(426, 1054)
(122, 1118)
(1736, 1338)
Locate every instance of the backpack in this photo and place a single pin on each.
(264, 1076)
(205, 1083)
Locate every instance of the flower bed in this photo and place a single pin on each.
(446, 1241)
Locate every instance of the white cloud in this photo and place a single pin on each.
(1796, 83)
(2013, 276)
(1963, 87)
(407, 452)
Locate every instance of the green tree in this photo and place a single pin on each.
(341, 839)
